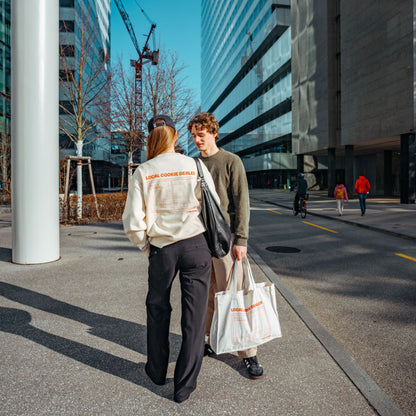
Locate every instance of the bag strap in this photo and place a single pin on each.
(199, 167)
(249, 282)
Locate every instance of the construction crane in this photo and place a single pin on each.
(145, 54)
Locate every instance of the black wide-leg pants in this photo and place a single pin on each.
(192, 259)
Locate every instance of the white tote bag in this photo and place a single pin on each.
(246, 318)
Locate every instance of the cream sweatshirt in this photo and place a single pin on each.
(164, 201)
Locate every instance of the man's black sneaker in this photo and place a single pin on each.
(208, 350)
(255, 370)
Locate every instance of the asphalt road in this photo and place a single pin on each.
(359, 284)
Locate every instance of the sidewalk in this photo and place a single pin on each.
(385, 215)
(74, 341)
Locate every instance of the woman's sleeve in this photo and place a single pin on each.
(134, 216)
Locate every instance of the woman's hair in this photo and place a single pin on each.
(205, 121)
(159, 140)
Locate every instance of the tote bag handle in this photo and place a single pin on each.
(248, 279)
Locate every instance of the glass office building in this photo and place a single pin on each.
(69, 20)
(96, 15)
(246, 83)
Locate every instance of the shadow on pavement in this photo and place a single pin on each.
(125, 333)
(233, 361)
(5, 254)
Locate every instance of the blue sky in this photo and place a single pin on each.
(177, 29)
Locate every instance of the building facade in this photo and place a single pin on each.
(84, 27)
(246, 83)
(353, 77)
(85, 34)
(71, 14)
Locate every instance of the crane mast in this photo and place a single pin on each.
(145, 55)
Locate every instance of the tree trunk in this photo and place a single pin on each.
(79, 179)
(130, 169)
(5, 156)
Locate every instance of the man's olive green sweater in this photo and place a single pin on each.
(230, 181)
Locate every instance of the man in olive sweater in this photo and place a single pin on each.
(230, 181)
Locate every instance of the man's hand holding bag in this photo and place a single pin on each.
(246, 318)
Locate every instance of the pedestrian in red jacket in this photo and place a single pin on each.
(362, 187)
(340, 194)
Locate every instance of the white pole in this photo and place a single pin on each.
(35, 131)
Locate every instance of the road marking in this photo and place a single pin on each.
(318, 226)
(276, 212)
(406, 257)
(252, 203)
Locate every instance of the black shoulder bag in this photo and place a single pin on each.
(218, 233)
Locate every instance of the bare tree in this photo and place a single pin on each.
(5, 152)
(126, 116)
(165, 91)
(85, 86)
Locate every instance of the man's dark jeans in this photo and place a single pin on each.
(297, 198)
(362, 198)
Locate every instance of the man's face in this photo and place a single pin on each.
(203, 140)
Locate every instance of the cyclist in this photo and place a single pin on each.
(301, 187)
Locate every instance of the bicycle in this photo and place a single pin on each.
(303, 209)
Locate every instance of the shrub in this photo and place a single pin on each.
(5, 194)
(5, 198)
(110, 207)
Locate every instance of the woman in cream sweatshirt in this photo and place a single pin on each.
(162, 218)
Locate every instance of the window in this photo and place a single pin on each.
(65, 142)
(65, 107)
(66, 26)
(66, 3)
(67, 50)
(102, 55)
(66, 74)
(117, 149)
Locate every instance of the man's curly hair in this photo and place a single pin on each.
(205, 121)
